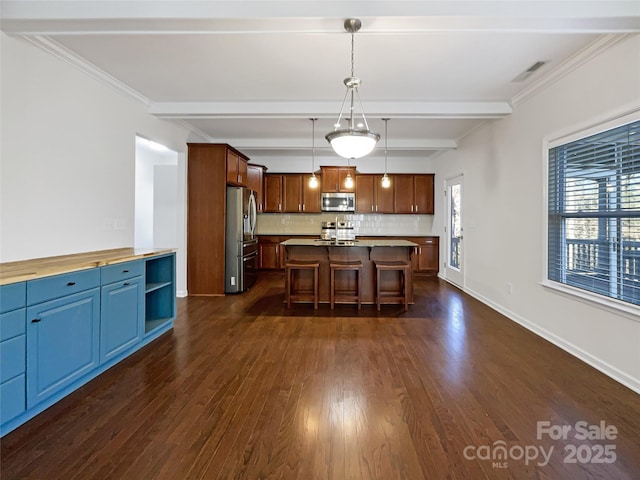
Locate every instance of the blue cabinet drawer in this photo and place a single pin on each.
(122, 271)
(12, 398)
(12, 296)
(58, 286)
(12, 324)
(13, 357)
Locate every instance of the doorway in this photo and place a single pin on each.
(454, 265)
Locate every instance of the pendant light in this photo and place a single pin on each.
(313, 180)
(386, 181)
(348, 181)
(356, 140)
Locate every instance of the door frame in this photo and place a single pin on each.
(453, 275)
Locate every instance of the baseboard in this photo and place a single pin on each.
(595, 362)
(182, 293)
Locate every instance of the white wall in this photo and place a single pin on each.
(68, 157)
(502, 164)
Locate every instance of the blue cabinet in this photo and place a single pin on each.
(13, 356)
(62, 343)
(60, 331)
(122, 309)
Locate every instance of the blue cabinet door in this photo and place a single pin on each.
(122, 320)
(62, 343)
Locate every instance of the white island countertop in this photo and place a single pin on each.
(311, 242)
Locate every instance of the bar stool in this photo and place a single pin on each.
(403, 293)
(290, 267)
(354, 266)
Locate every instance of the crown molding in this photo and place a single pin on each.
(61, 52)
(591, 51)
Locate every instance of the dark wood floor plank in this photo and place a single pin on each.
(246, 388)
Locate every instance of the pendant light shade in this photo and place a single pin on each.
(356, 140)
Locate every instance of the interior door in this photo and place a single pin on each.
(454, 264)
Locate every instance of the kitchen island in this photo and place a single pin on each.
(367, 251)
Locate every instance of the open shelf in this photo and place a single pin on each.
(160, 292)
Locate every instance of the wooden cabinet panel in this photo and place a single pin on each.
(292, 193)
(426, 258)
(232, 167)
(384, 197)
(206, 197)
(365, 202)
(403, 193)
(255, 181)
(242, 172)
(272, 193)
(311, 196)
(269, 252)
(423, 193)
(333, 178)
(122, 312)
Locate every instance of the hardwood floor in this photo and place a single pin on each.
(244, 388)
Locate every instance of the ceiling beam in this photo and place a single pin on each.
(416, 110)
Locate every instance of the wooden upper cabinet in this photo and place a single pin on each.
(423, 193)
(333, 178)
(414, 193)
(311, 201)
(365, 202)
(272, 193)
(236, 168)
(255, 181)
(292, 193)
(403, 193)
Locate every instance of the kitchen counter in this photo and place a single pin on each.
(308, 242)
(20, 271)
(368, 252)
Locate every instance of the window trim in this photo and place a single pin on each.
(611, 121)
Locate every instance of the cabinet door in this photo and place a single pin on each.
(342, 175)
(423, 192)
(429, 258)
(242, 172)
(62, 343)
(232, 167)
(330, 179)
(272, 193)
(255, 177)
(292, 193)
(269, 253)
(364, 194)
(122, 317)
(403, 193)
(384, 197)
(311, 196)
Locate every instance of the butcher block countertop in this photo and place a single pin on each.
(12, 272)
(308, 242)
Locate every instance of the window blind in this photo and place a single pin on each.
(594, 213)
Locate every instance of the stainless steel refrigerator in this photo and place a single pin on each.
(241, 243)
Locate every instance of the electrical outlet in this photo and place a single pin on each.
(233, 281)
(509, 288)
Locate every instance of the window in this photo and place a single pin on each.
(594, 213)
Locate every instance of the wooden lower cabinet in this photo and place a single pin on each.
(269, 252)
(426, 257)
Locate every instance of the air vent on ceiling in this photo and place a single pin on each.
(529, 71)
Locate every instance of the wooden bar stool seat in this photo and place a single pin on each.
(298, 265)
(346, 296)
(394, 295)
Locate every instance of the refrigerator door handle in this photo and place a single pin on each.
(253, 214)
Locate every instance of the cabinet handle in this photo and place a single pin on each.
(71, 284)
(36, 320)
(376, 208)
(411, 208)
(303, 207)
(299, 207)
(125, 271)
(126, 284)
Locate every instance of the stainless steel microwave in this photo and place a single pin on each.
(339, 202)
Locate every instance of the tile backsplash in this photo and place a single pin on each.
(363, 224)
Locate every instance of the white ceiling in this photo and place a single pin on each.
(252, 73)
